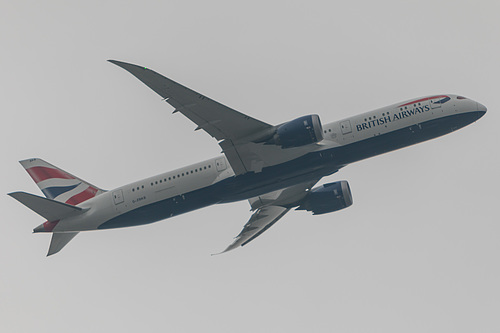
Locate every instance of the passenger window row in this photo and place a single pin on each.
(375, 117)
(164, 180)
(406, 108)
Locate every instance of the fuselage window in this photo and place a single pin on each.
(205, 168)
(209, 166)
(169, 178)
(156, 182)
(132, 190)
(178, 176)
(174, 177)
(137, 188)
(142, 186)
(151, 184)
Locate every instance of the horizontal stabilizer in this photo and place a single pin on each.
(50, 209)
(59, 240)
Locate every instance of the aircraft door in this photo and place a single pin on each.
(220, 164)
(345, 126)
(118, 197)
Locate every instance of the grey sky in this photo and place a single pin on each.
(417, 252)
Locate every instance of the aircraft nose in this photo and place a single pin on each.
(481, 107)
(481, 110)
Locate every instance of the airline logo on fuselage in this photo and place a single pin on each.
(403, 114)
(390, 118)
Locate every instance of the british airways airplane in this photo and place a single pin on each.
(274, 167)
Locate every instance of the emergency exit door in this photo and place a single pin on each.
(220, 164)
(118, 197)
(345, 127)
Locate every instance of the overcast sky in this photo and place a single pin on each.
(417, 252)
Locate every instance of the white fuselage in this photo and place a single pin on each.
(214, 181)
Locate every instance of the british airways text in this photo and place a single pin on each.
(389, 118)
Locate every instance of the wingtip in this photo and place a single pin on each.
(229, 248)
(125, 65)
(217, 254)
(226, 250)
(116, 62)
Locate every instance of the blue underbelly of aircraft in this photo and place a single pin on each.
(309, 167)
(404, 137)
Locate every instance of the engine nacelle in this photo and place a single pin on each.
(328, 198)
(299, 132)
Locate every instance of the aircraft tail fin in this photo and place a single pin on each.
(59, 240)
(59, 185)
(50, 209)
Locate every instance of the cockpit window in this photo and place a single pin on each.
(461, 97)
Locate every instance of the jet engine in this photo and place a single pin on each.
(327, 198)
(299, 132)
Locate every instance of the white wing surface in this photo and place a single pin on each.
(220, 121)
(270, 207)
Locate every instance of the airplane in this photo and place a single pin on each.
(274, 167)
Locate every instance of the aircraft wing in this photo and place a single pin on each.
(269, 207)
(220, 121)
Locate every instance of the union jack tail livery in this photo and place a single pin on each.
(59, 185)
(63, 192)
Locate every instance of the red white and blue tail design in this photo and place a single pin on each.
(58, 184)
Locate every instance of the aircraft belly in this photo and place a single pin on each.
(228, 190)
(164, 209)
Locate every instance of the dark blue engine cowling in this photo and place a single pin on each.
(299, 132)
(327, 198)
